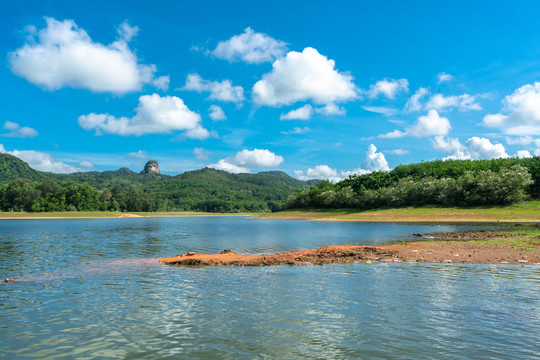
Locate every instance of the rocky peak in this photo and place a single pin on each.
(151, 167)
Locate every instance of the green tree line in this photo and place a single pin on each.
(447, 183)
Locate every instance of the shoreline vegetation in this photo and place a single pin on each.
(520, 246)
(526, 212)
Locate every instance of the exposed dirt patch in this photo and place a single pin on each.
(456, 250)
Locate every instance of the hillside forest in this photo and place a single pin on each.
(443, 183)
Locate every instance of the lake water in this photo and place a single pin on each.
(93, 290)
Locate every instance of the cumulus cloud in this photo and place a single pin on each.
(388, 87)
(374, 161)
(15, 130)
(41, 161)
(520, 114)
(245, 159)
(523, 154)
(303, 113)
(251, 47)
(303, 76)
(322, 172)
(297, 131)
(63, 55)
(463, 102)
(224, 165)
(413, 104)
(216, 113)
(154, 115)
(443, 77)
(475, 148)
(482, 148)
(431, 124)
(219, 90)
(201, 154)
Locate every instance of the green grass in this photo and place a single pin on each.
(522, 212)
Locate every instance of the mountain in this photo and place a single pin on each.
(200, 190)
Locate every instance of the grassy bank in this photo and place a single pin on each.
(523, 236)
(523, 212)
(106, 214)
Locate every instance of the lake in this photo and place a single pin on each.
(93, 290)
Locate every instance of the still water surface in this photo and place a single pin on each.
(94, 291)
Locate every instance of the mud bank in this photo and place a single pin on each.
(462, 248)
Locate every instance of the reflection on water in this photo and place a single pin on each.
(100, 295)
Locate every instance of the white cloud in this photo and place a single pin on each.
(443, 77)
(397, 152)
(216, 113)
(219, 90)
(224, 165)
(86, 164)
(413, 104)
(523, 154)
(63, 55)
(475, 148)
(463, 102)
(139, 155)
(15, 130)
(482, 148)
(522, 109)
(297, 131)
(251, 47)
(520, 140)
(154, 115)
(331, 109)
(375, 161)
(427, 125)
(162, 82)
(245, 159)
(319, 172)
(388, 87)
(303, 113)
(201, 154)
(453, 146)
(41, 161)
(537, 151)
(127, 32)
(386, 111)
(257, 158)
(137, 158)
(199, 133)
(303, 76)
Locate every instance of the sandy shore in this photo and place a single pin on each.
(106, 215)
(461, 248)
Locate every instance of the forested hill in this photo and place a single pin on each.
(125, 190)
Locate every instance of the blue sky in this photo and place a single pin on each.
(316, 89)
